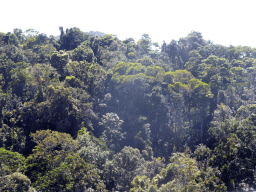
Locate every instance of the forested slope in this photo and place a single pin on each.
(90, 113)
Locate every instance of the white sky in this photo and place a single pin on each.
(226, 22)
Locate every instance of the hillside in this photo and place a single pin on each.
(87, 112)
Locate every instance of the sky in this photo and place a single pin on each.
(226, 22)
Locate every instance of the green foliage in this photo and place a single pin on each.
(83, 53)
(246, 111)
(130, 76)
(210, 177)
(112, 133)
(43, 53)
(193, 63)
(123, 168)
(178, 86)
(9, 56)
(106, 40)
(71, 39)
(10, 162)
(33, 39)
(52, 148)
(131, 55)
(182, 76)
(10, 39)
(20, 78)
(193, 41)
(19, 34)
(155, 71)
(57, 102)
(12, 135)
(16, 182)
(93, 150)
(41, 76)
(191, 93)
(201, 88)
(128, 68)
(72, 82)
(59, 60)
(73, 174)
(146, 61)
(180, 174)
(235, 146)
(91, 75)
(112, 54)
(143, 184)
(144, 44)
(13, 40)
(53, 165)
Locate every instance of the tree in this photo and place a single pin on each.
(92, 75)
(52, 148)
(143, 184)
(130, 86)
(55, 166)
(112, 133)
(146, 61)
(9, 56)
(41, 76)
(12, 135)
(193, 41)
(83, 53)
(20, 78)
(19, 34)
(172, 49)
(106, 40)
(10, 162)
(13, 40)
(74, 174)
(193, 63)
(200, 105)
(210, 176)
(113, 52)
(123, 168)
(182, 174)
(59, 60)
(71, 39)
(34, 39)
(93, 150)
(144, 44)
(16, 182)
(234, 153)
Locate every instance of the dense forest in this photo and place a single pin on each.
(90, 112)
